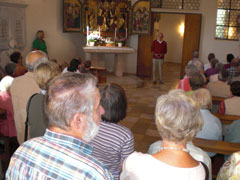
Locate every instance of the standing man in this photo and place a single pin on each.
(39, 43)
(159, 49)
(73, 109)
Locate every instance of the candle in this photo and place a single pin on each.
(87, 33)
(99, 32)
(115, 34)
(126, 33)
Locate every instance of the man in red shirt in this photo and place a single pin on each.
(159, 49)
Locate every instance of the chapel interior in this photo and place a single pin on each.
(136, 78)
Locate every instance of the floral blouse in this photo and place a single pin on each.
(231, 168)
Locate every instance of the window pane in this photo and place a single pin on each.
(221, 32)
(172, 4)
(224, 4)
(233, 17)
(191, 4)
(235, 4)
(232, 33)
(222, 17)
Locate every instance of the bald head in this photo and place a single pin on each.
(35, 57)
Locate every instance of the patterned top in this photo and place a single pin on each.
(233, 72)
(231, 168)
(112, 145)
(55, 156)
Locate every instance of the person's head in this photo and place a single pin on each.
(160, 36)
(74, 63)
(195, 54)
(203, 98)
(198, 64)
(45, 72)
(211, 56)
(223, 75)
(6, 83)
(219, 67)
(16, 57)
(235, 88)
(190, 69)
(87, 64)
(177, 117)
(40, 34)
(35, 57)
(235, 62)
(10, 69)
(196, 81)
(230, 57)
(114, 102)
(214, 62)
(72, 103)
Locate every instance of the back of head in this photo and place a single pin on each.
(114, 102)
(235, 62)
(73, 65)
(230, 57)
(15, 56)
(203, 98)
(10, 69)
(211, 56)
(87, 64)
(67, 95)
(198, 64)
(195, 54)
(45, 72)
(34, 58)
(214, 62)
(224, 75)
(6, 83)
(177, 117)
(219, 67)
(196, 81)
(235, 88)
(190, 69)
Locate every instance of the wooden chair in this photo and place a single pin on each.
(226, 118)
(220, 147)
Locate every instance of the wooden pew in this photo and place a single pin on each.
(217, 100)
(226, 118)
(220, 147)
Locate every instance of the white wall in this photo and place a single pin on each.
(169, 26)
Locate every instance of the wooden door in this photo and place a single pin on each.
(144, 62)
(191, 38)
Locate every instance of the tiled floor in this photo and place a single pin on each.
(142, 96)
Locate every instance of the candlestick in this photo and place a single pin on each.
(87, 33)
(126, 34)
(115, 34)
(99, 32)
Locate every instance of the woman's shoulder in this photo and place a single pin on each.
(119, 129)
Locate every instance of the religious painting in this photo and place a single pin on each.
(141, 17)
(90, 14)
(72, 15)
(122, 13)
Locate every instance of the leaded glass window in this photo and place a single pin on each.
(176, 4)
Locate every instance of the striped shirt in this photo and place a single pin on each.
(112, 145)
(55, 156)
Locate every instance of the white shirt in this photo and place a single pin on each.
(139, 166)
(65, 70)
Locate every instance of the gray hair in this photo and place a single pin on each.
(10, 68)
(191, 69)
(30, 66)
(203, 98)
(6, 83)
(219, 67)
(68, 94)
(195, 54)
(177, 117)
(199, 64)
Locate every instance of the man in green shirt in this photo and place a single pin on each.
(39, 43)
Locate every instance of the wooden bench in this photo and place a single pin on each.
(217, 100)
(100, 73)
(220, 147)
(226, 118)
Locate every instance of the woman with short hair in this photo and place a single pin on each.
(113, 142)
(178, 119)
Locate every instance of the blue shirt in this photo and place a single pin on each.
(56, 156)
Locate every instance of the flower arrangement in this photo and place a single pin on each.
(120, 39)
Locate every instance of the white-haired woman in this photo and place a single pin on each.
(178, 119)
(7, 125)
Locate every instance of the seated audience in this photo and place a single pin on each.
(208, 65)
(219, 68)
(16, 58)
(231, 105)
(211, 71)
(114, 142)
(73, 109)
(23, 87)
(231, 168)
(195, 55)
(212, 126)
(196, 81)
(233, 70)
(184, 84)
(220, 88)
(10, 69)
(7, 126)
(86, 67)
(178, 119)
(236, 78)
(37, 120)
(73, 67)
(230, 57)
